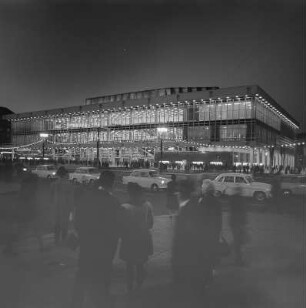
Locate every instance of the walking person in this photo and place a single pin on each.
(28, 208)
(136, 243)
(209, 229)
(277, 202)
(238, 222)
(98, 227)
(172, 196)
(196, 238)
(183, 257)
(62, 197)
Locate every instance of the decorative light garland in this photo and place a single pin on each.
(148, 143)
(22, 146)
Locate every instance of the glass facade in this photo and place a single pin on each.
(243, 120)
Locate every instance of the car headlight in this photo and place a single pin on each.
(53, 173)
(163, 182)
(24, 169)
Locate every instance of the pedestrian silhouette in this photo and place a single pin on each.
(62, 199)
(136, 244)
(172, 196)
(98, 227)
(238, 222)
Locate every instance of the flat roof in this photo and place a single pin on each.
(210, 93)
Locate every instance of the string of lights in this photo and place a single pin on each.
(22, 146)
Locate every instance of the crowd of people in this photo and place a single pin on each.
(95, 221)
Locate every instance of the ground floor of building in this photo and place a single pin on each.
(183, 155)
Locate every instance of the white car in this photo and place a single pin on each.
(85, 175)
(229, 183)
(45, 171)
(147, 178)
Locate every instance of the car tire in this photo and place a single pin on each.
(74, 181)
(48, 177)
(260, 196)
(91, 182)
(154, 187)
(286, 192)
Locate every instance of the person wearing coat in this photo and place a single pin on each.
(172, 198)
(136, 240)
(98, 226)
(62, 197)
(196, 237)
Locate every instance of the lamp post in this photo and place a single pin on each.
(44, 136)
(161, 131)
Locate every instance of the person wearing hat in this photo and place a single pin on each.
(97, 222)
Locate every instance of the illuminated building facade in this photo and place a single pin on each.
(237, 125)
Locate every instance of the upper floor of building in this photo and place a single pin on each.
(169, 106)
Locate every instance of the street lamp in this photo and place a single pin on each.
(44, 136)
(161, 131)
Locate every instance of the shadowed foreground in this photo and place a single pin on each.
(274, 275)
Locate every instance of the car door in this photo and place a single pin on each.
(84, 175)
(40, 171)
(243, 186)
(229, 183)
(134, 177)
(145, 179)
(78, 175)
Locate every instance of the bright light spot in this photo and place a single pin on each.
(162, 129)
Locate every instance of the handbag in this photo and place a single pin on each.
(224, 248)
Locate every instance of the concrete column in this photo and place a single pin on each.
(251, 152)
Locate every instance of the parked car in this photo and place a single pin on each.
(147, 178)
(228, 183)
(45, 171)
(293, 185)
(85, 175)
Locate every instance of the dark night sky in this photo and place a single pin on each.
(58, 53)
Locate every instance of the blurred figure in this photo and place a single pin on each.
(238, 222)
(190, 246)
(210, 228)
(27, 208)
(8, 217)
(97, 223)
(62, 197)
(172, 197)
(277, 203)
(136, 244)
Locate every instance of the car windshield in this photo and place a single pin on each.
(93, 171)
(51, 168)
(249, 179)
(153, 174)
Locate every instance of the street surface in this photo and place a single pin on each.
(274, 274)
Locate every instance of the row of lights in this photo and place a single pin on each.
(210, 101)
(271, 107)
(22, 146)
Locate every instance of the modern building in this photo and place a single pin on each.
(196, 125)
(5, 127)
(301, 151)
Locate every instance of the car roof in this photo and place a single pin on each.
(86, 167)
(233, 174)
(144, 170)
(48, 165)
